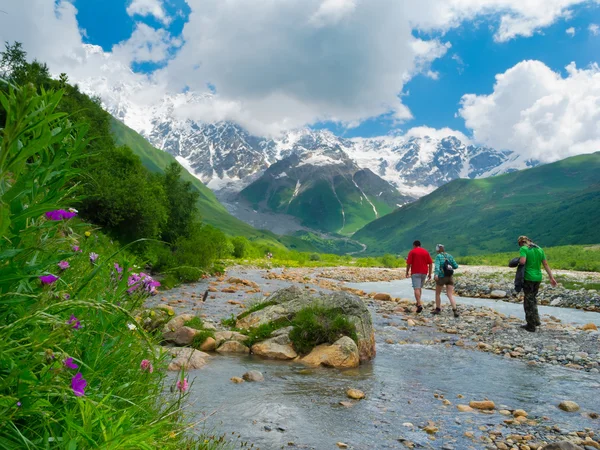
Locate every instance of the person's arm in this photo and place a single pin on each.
(549, 272)
(437, 266)
(430, 270)
(407, 269)
(523, 255)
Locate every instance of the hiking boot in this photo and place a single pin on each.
(456, 313)
(436, 311)
(528, 328)
(419, 309)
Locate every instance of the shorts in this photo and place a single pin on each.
(445, 281)
(418, 280)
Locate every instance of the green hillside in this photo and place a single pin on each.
(555, 204)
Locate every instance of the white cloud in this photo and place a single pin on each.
(146, 44)
(594, 29)
(570, 31)
(149, 8)
(436, 133)
(537, 112)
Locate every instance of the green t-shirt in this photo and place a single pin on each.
(533, 265)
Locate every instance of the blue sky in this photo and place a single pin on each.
(469, 66)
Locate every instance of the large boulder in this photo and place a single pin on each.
(564, 445)
(342, 354)
(232, 347)
(287, 302)
(223, 336)
(187, 358)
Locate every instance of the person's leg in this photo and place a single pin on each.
(536, 315)
(438, 296)
(417, 282)
(529, 303)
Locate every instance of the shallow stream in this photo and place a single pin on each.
(300, 405)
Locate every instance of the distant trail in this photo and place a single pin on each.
(364, 249)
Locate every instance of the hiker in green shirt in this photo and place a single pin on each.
(532, 257)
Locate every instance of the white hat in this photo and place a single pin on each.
(438, 247)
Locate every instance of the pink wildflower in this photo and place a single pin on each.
(78, 385)
(183, 385)
(63, 265)
(48, 279)
(146, 366)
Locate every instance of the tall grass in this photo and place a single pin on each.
(82, 325)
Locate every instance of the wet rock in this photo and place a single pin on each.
(287, 302)
(253, 375)
(341, 445)
(483, 405)
(383, 297)
(222, 336)
(176, 332)
(236, 380)
(187, 358)
(342, 354)
(520, 413)
(232, 347)
(568, 406)
(209, 345)
(589, 327)
(564, 445)
(464, 408)
(355, 394)
(273, 350)
(498, 294)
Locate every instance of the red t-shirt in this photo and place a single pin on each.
(419, 259)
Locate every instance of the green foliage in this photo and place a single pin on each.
(241, 246)
(569, 257)
(201, 337)
(392, 262)
(315, 257)
(554, 204)
(187, 274)
(316, 325)
(256, 307)
(181, 203)
(229, 322)
(87, 314)
(195, 323)
(204, 245)
(264, 331)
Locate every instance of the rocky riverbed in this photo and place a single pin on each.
(479, 331)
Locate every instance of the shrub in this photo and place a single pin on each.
(315, 257)
(316, 325)
(264, 331)
(241, 246)
(195, 323)
(187, 274)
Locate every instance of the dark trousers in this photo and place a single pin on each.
(531, 288)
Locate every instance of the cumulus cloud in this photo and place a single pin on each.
(146, 44)
(594, 29)
(537, 112)
(149, 8)
(570, 31)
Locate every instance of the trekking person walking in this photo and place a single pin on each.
(419, 265)
(444, 276)
(532, 257)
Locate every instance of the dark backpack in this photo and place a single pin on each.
(447, 268)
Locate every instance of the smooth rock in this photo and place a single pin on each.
(464, 408)
(498, 294)
(568, 406)
(209, 345)
(355, 394)
(564, 445)
(272, 350)
(236, 380)
(383, 297)
(187, 358)
(232, 347)
(484, 405)
(342, 354)
(589, 327)
(253, 375)
(222, 336)
(520, 413)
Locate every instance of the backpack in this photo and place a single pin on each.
(447, 267)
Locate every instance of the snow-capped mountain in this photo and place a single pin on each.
(224, 155)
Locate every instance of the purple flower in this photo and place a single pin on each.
(78, 385)
(19, 404)
(182, 385)
(66, 296)
(70, 364)
(74, 321)
(93, 257)
(48, 279)
(76, 248)
(63, 265)
(118, 268)
(146, 366)
(60, 214)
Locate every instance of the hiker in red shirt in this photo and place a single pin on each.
(419, 260)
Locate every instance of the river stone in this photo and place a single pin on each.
(382, 296)
(272, 350)
(209, 345)
(232, 347)
(222, 336)
(187, 358)
(253, 375)
(486, 405)
(342, 354)
(497, 293)
(177, 333)
(589, 327)
(564, 445)
(355, 394)
(568, 406)
(464, 408)
(287, 302)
